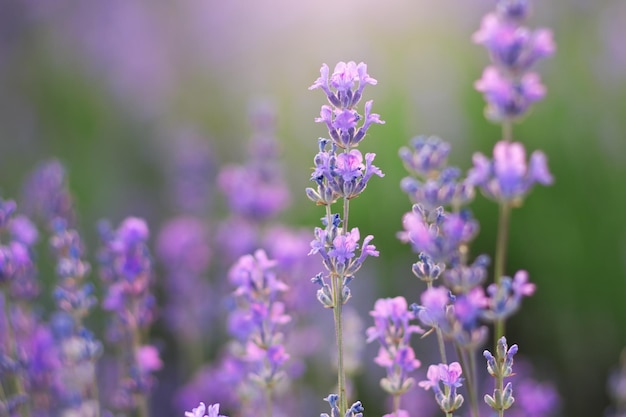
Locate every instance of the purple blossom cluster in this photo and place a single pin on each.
(126, 272)
(259, 318)
(271, 336)
(393, 332)
(508, 85)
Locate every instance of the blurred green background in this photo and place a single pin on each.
(105, 86)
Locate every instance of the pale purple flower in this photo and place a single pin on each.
(511, 46)
(440, 240)
(449, 375)
(348, 81)
(345, 245)
(508, 177)
(183, 242)
(432, 311)
(507, 86)
(426, 156)
(509, 98)
(211, 411)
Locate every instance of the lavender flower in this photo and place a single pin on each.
(508, 177)
(211, 411)
(393, 331)
(506, 296)
(500, 367)
(126, 269)
(508, 86)
(433, 183)
(341, 176)
(46, 194)
(449, 378)
(259, 318)
(437, 234)
(183, 248)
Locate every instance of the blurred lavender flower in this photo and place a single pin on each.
(126, 270)
(257, 190)
(433, 183)
(393, 331)
(449, 378)
(500, 367)
(508, 177)
(505, 297)
(191, 175)
(46, 195)
(508, 86)
(212, 410)
(438, 234)
(259, 320)
(77, 348)
(183, 247)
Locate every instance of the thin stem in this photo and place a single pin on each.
(268, 401)
(500, 386)
(501, 249)
(396, 405)
(507, 130)
(337, 282)
(471, 386)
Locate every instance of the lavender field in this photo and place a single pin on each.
(337, 208)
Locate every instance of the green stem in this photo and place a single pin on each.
(396, 405)
(470, 379)
(18, 386)
(268, 401)
(500, 261)
(337, 282)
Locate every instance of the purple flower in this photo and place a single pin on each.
(507, 86)
(345, 245)
(432, 312)
(440, 240)
(23, 230)
(46, 193)
(211, 411)
(426, 156)
(7, 208)
(507, 98)
(449, 375)
(348, 80)
(184, 243)
(391, 321)
(508, 178)
(511, 46)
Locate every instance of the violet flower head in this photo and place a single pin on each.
(344, 91)
(435, 307)
(340, 176)
(508, 85)
(509, 98)
(202, 410)
(448, 376)
(505, 298)
(192, 173)
(259, 317)
(256, 189)
(427, 155)
(508, 177)
(393, 331)
(439, 234)
(46, 193)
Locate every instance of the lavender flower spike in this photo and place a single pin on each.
(508, 85)
(344, 89)
(508, 177)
